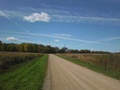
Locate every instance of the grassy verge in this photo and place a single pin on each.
(28, 76)
(93, 67)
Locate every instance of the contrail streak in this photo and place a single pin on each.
(14, 22)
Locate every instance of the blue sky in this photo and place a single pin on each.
(77, 24)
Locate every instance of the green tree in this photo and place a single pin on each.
(28, 47)
(0, 45)
(35, 47)
(47, 49)
(4, 47)
(41, 48)
(18, 47)
(56, 49)
(63, 50)
(85, 51)
(11, 47)
(21, 48)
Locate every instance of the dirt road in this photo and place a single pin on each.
(64, 75)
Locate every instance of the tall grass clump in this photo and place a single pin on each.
(109, 62)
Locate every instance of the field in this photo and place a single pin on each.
(24, 71)
(108, 64)
(8, 59)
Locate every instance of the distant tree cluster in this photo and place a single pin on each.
(29, 47)
(85, 51)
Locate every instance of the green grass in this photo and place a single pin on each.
(93, 67)
(27, 76)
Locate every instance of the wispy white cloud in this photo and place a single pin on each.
(13, 14)
(63, 35)
(56, 40)
(37, 17)
(60, 16)
(60, 37)
(67, 38)
(85, 19)
(20, 38)
(110, 38)
(12, 39)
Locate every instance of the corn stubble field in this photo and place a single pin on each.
(8, 59)
(24, 71)
(108, 64)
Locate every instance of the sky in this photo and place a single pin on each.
(77, 24)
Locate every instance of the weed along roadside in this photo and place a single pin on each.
(25, 76)
(107, 64)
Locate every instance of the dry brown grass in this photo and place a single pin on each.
(11, 58)
(107, 61)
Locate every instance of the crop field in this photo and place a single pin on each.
(108, 64)
(8, 59)
(24, 71)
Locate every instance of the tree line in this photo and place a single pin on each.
(30, 47)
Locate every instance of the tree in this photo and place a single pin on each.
(0, 45)
(22, 47)
(4, 47)
(48, 49)
(11, 47)
(18, 47)
(28, 47)
(56, 49)
(52, 50)
(63, 50)
(41, 48)
(35, 47)
(85, 51)
(0, 42)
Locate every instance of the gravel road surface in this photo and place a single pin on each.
(65, 75)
